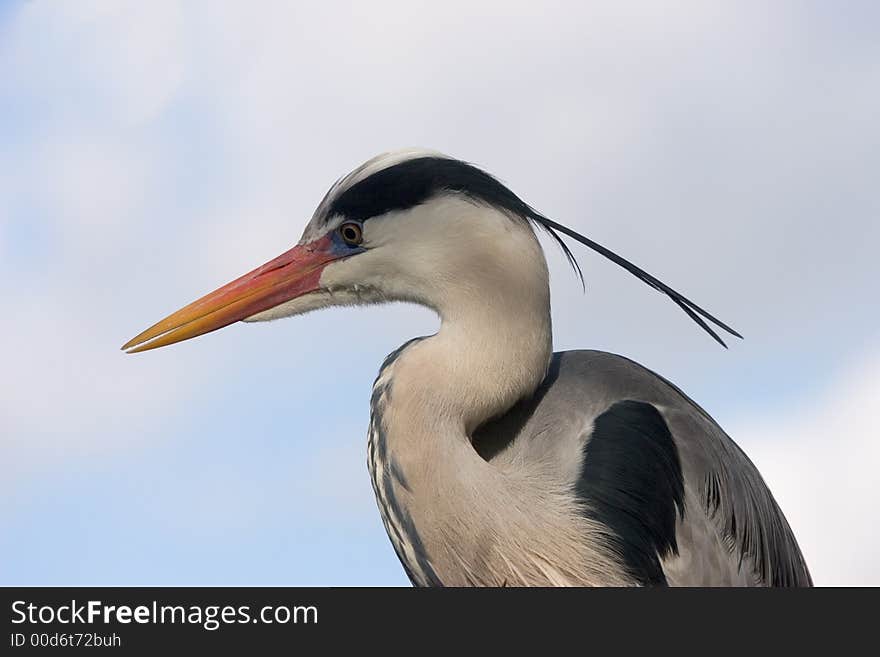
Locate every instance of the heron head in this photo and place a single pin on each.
(410, 225)
(405, 226)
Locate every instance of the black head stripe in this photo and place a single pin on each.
(411, 183)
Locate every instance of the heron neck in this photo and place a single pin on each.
(427, 401)
(493, 347)
(486, 366)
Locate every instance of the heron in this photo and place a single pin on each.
(495, 461)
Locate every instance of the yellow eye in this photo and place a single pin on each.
(351, 233)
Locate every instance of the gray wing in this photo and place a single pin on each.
(682, 503)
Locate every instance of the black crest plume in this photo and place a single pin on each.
(693, 310)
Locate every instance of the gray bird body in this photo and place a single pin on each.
(742, 541)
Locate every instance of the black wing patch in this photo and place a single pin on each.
(632, 483)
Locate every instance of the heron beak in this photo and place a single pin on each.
(290, 275)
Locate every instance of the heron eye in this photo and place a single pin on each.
(351, 233)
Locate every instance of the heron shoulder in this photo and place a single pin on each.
(653, 467)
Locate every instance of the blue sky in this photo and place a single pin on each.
(152, 151)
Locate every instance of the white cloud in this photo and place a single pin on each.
(821, 462)
(99, 61)
(91, 186)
